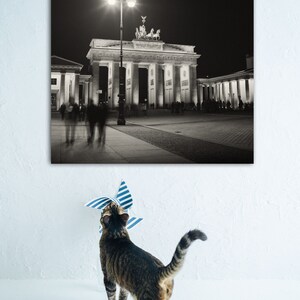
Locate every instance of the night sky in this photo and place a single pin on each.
(221, 30)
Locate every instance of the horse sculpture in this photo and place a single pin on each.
(156, 36)
(150, 34)
(141, 33)
(137, 33)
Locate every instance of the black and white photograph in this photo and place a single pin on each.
(160, 81)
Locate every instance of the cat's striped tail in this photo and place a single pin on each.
(176, 263)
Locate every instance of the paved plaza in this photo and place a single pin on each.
(161, 138)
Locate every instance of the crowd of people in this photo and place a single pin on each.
(212, 105)
(94, 116)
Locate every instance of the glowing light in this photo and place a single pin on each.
(111, 2)
(131, 3)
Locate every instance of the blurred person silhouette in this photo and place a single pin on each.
(182, 107)
(241, 103)
(92, 117)
(173, 107)
(62, 111)
(220, 104)
(71, 118)
(228, 105)
(102, 118)
(82, 110)
(177, 107)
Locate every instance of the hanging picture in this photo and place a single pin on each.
(135, 81)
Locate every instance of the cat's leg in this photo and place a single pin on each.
(110, 287)
(109, 283)
(123, 294)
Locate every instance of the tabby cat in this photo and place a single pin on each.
(136, 271)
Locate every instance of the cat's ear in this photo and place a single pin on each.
(124, 218)
(106, 220)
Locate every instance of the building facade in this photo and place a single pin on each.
(171, 71)
(66, 82)
(228, 88)
(171, 76)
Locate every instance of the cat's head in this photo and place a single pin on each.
(114, 220)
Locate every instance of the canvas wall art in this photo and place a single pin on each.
(152, 81)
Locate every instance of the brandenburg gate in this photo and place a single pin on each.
(171, 69)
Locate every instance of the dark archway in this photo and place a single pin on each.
(143, 85)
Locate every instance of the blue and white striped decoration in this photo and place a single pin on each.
(99, 203)
(133, 221)
(123, 198)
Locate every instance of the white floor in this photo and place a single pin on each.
(184, 290)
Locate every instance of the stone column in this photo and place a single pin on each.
(83, 91)
(234, 94)
(242, 85)
(169, 84)
(177, 83)
(210, 91)
(90, 90)
(200, 99)
(86, 92)
(115, 84)
(223, 92)
(251, 90)
(216, 91)
(76, 88)
(62, 89)
(206, 93)
(185, 77)
(72, 88)
(238, 88)
(160, 87)
(152, 85)
(247, 91)
(135, 84)
(230, 95)
(128, 89)
(193, 83)
(95, 95)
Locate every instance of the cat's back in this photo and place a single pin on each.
(133, 267)
(124, 254)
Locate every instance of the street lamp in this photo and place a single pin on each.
(122, 70)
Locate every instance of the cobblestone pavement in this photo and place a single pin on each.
(198, 138)
(119, 148)
(193, 149)
(230, 130)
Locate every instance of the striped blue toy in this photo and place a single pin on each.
(123, 198)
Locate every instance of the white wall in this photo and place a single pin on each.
(250, 213)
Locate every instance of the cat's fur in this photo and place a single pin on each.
(133, 269)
